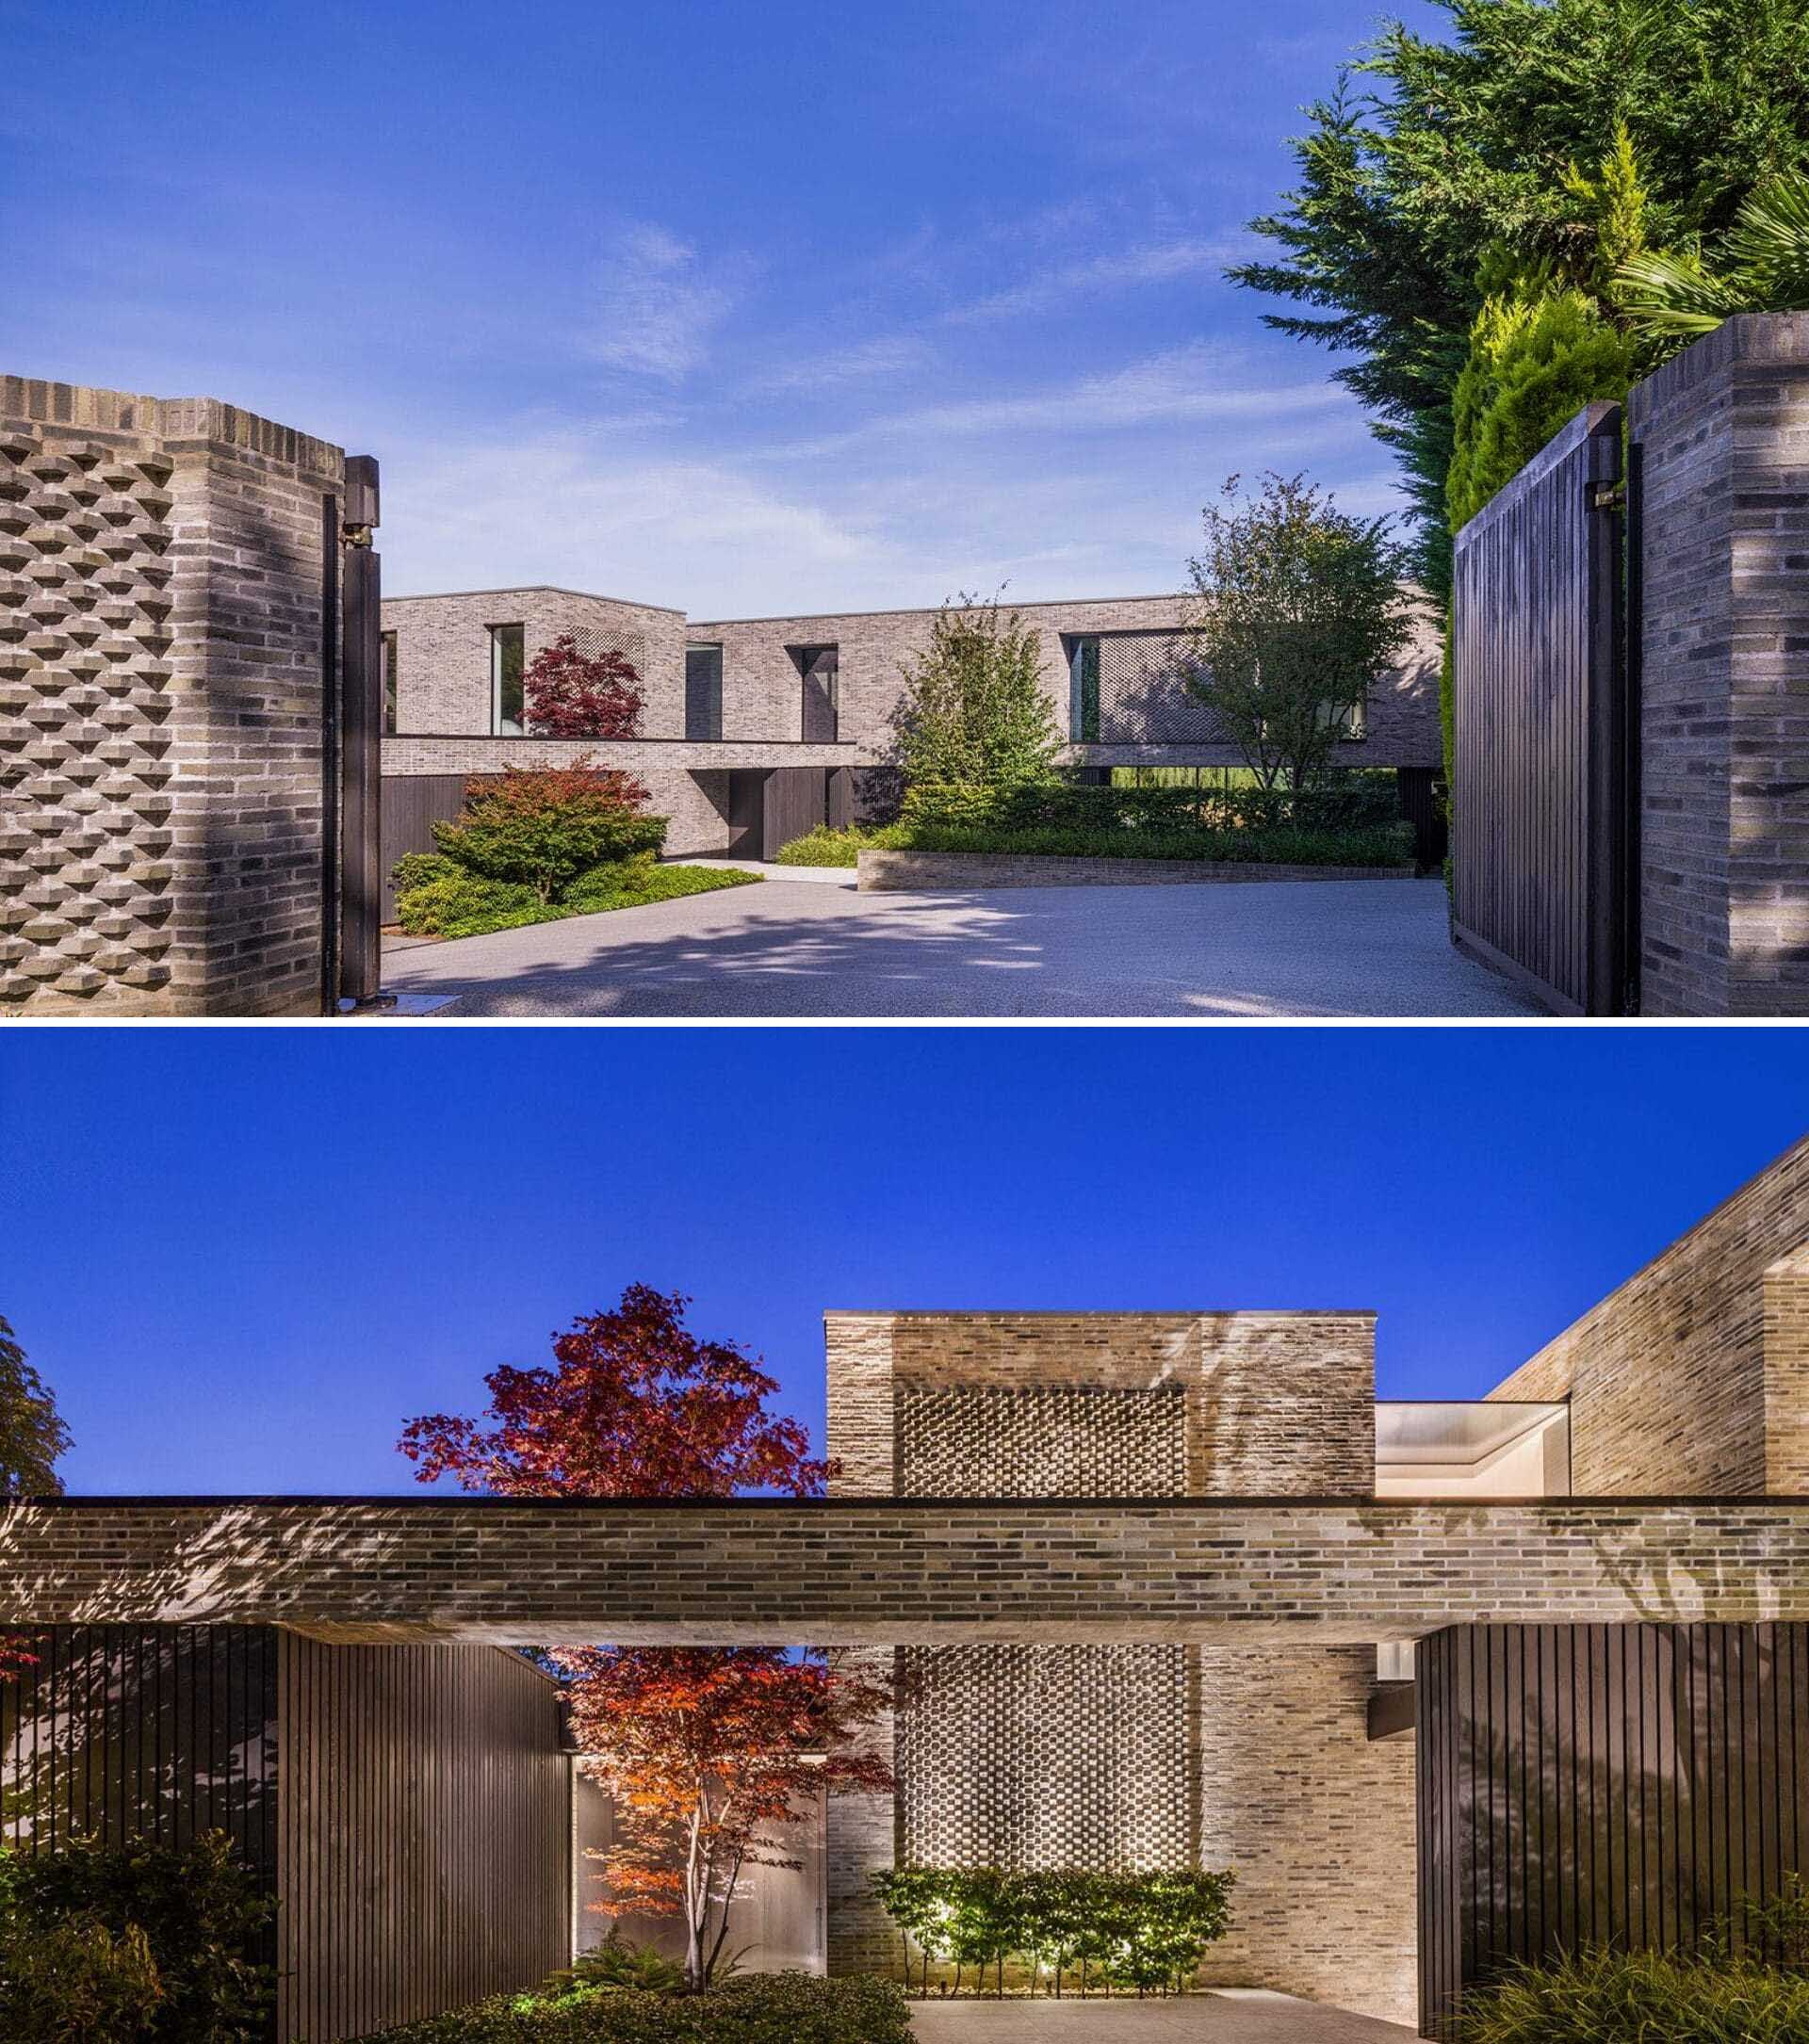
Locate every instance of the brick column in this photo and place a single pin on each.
(1720, 439)
(162, 724)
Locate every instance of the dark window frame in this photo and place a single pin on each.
(804, 659)
(714, 713)
(500, 682)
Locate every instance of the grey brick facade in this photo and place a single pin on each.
(1693, 1377)
(162, 727)
(1721, 438)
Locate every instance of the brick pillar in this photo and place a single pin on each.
(1721, 438)
(162, 726)
(860, 1831)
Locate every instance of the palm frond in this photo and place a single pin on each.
(1674, 293)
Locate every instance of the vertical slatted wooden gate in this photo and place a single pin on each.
(1541, 774)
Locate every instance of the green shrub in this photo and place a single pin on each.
(437, 897)
(77, 1983)
(616, 1963)
(542, 827)
(826, 847)
(199, 1911)
(763, 2008)
(1142, 1931)
(1603, 1997)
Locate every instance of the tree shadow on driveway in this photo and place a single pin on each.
(803, 949)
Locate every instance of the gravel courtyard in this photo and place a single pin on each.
(805, 943)
(1203, 2019)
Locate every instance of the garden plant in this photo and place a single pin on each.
(768, 2008)
(109, 1944)
(572, 694)
(538, 843)
(1352, 819)
(1110, 1933)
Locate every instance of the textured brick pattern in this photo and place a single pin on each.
(1056, 1441)
(85, 675)
(1722, 433)
(1317, 1821)
(161, 719)
(1144, 696)
(1044, 1757)
(1691, 1378)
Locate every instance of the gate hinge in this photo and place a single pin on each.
(350, 535)
(1606, 495)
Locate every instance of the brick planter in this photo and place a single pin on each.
(927, 871)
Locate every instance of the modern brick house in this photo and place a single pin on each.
(754, 728)
(1446, 1683)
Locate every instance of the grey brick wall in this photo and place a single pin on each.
(443, 653)
(1151, 1754)
(1693, 1376)
(1723, 434)
(443, 673)
(161, 792)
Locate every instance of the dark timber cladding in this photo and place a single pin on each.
(412, 804)
(424, 1833)
(407, 1806)
(1540, 771)
(1586, 1783)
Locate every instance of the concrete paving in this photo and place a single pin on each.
(1200, 2019)
(812, 946)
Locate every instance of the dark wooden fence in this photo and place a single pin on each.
(413, 803)
(1587, 1783)
(1540, 786)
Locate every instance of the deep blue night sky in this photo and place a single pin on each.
(242, 1256)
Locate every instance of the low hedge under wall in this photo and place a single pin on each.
(885, 871)
(762, 2009)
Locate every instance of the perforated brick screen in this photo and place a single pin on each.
(1144, 699)
(1044, 1757)
(1052, 1440)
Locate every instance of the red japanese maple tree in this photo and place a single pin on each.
(636, 1407)
(709, 1754)
(571, 694)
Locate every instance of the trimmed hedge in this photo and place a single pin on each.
(1353, 822)
(1141, 1931)
(761, 2008)
(1603, 1997)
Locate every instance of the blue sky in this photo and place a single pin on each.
(242, 1257)
(735, 308)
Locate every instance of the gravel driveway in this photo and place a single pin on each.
(808, 944)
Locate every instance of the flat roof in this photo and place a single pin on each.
(529, 589)
(929, 609)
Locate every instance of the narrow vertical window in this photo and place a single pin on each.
(389, 683)
(1356, 717)
(506, 650)
(1084, 692)
(703, 692)
(820, 716)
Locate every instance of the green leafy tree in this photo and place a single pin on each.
(973, 712)
(1431, 152)
(32, 1437)
(1298, 608)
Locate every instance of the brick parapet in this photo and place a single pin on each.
(1691, 1376)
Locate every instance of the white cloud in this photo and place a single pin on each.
(656, 307)
(883, 355)
(1119, 269)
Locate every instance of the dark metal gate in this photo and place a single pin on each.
(1542, 775)
(353, 701)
